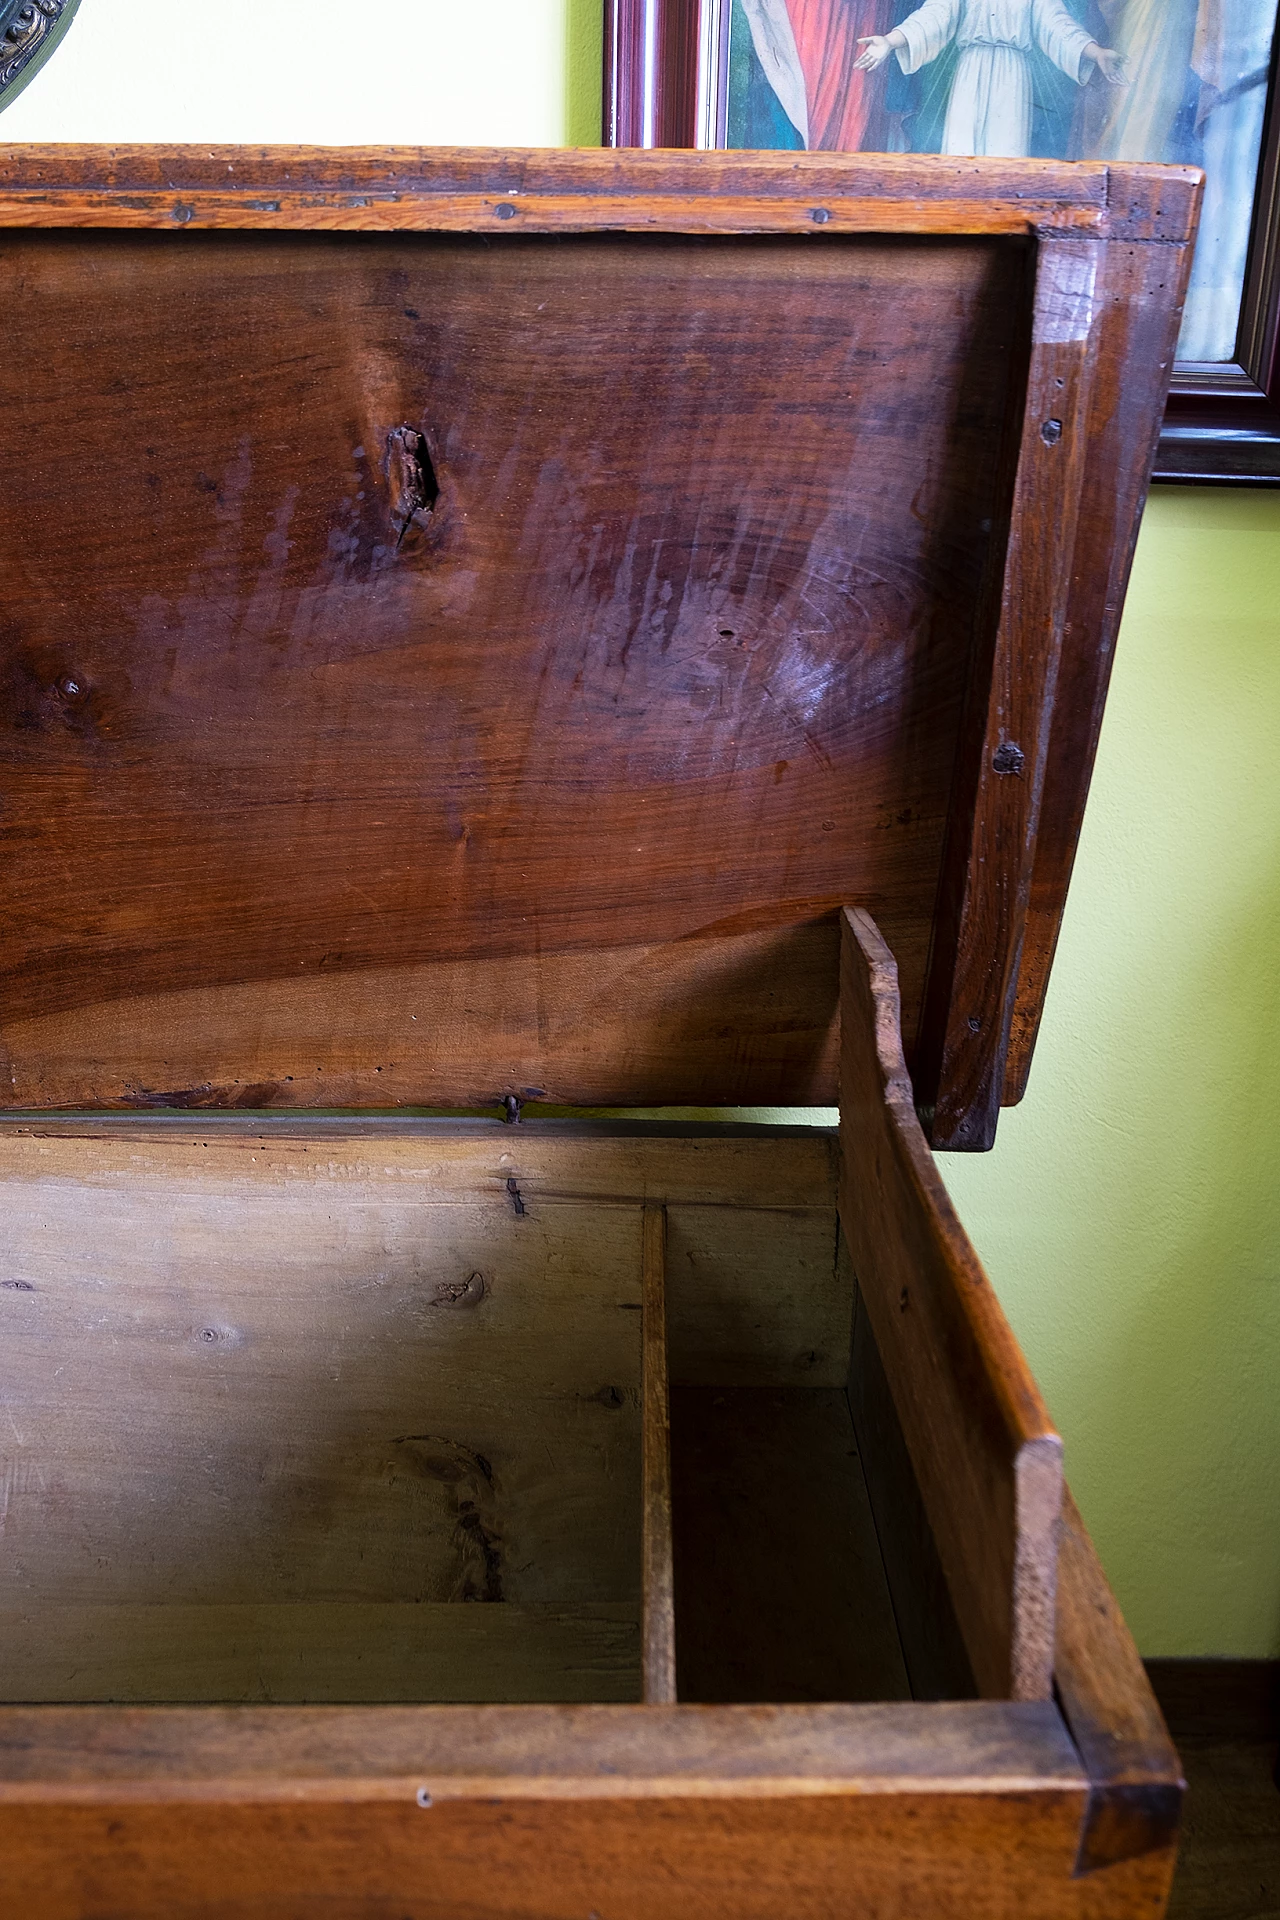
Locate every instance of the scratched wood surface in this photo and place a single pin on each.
(483, 724)
(379, 188)
(314, 1416)
(673, 668)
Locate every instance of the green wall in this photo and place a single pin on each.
(1128, 1214)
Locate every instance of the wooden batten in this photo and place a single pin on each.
(1004, 741)
(657, 1623)
(986, 1457)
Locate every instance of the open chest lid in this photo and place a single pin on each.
(471, 620)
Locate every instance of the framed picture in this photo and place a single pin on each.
(29, 32)
(1174, 80)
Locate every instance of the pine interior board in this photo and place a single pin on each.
(282, 1408)
(754, 1295)
(780, 1589)
(320, 1397)
(361, 1653)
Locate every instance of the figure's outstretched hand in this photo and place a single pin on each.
(1110, 64)
(876, 49)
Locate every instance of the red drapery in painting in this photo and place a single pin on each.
(845, 108)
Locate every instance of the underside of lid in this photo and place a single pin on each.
(444, 665)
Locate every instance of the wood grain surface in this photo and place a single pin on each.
(965, 1812)
(379, 188)
(278, 1400)
(933, 1649)
(1136, 330)
(593, 759)
(1001, 763)
(988, 1462)
(1136, 1784)
(554, 786)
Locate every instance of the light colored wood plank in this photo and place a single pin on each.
(754, 1296)
(658, 1616)
(988, 1462)
(449, 1162)
(337, 1367)
(316, 1393)
(328, 1652)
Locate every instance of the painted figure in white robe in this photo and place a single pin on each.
(989, 108)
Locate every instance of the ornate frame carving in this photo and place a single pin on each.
(29, 32)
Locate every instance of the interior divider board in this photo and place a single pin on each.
(658, 1633)
(988, 1462)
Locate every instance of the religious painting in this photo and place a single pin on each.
(1183, 81)
(1179, 80)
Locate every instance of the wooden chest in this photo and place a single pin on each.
(499, 634)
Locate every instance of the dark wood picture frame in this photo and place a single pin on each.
(1222, 423)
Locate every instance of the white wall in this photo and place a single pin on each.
(330, 72)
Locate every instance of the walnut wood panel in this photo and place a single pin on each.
(657, 1619)
(322, 1754)
(987, 1460)
(1103, 1689)
(743, 1811)
(722, 1814)
(678, 657)
(604, 1026)
(372, 757)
